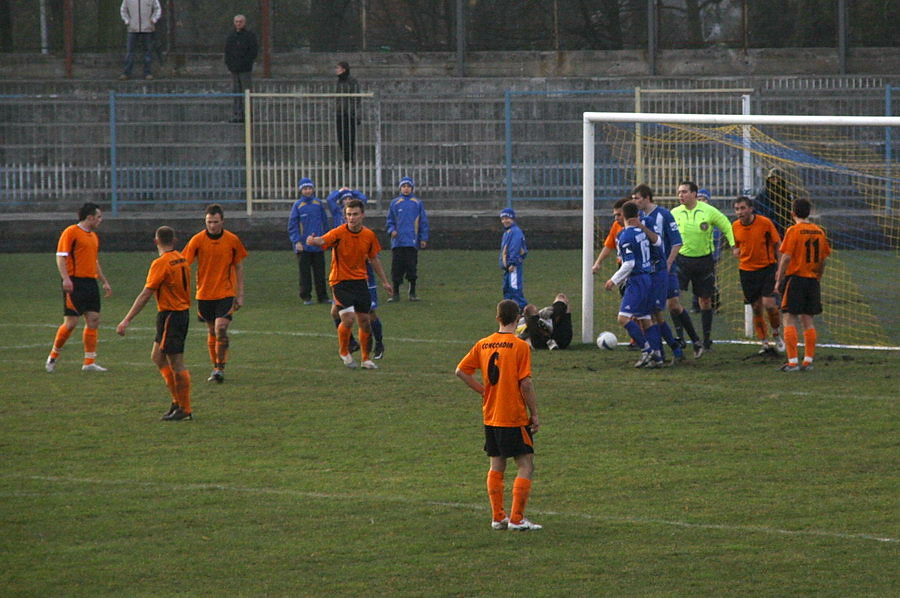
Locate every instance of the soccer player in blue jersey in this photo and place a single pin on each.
(635, 309)
(665, 278)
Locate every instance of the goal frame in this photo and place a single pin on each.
(589, 119)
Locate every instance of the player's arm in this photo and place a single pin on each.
(471, 381)
(317, 241)
(139, 303)
(620, 274)
(106, 288)
(604, 253)
(239, 277)
(721, 222)
(64, 273)
(379, 270)
(530, 397)
(782, 268)
(673, 255)
(391, 223)
(651, 235)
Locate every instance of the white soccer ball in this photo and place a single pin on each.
(607, 340)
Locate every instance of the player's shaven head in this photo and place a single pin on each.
(644, 191)
(801, 208)
(165, 235)
(88, 209)
(214, 209)
(690, 185)
(355, 203)
(507, 311)
(745, 200)
(629, 210)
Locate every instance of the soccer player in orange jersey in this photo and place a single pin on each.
(220, 283)
(352, 247)
(77, 259)
(756, 247)
(803, 253)
(509, 409)
(609, 244)
(169, 279)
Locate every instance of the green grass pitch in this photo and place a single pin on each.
(302, 478)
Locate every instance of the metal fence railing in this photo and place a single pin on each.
(152, 151)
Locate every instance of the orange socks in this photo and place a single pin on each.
(62, 335)
(809, 340)
(495, 494)
(790, 343)
(183, 390)
(211, 347)
(344, 333)
(521, 490)
(89, 336)
(169, 376)
(365, 341)
(759, 326)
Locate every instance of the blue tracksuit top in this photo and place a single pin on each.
(337, 211)
(308, 217)
(407, 216)
(512, 247)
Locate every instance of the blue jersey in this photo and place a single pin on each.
(657, 257)
(634, 246)
(336, 204)
(408, 218)
(661, 221)
(512, 247)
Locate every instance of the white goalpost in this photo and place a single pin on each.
(804, 160)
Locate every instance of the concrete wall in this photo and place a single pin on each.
(707, 62)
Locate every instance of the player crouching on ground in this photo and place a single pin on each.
(548, 328)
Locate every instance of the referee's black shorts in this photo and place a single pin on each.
(698, 273)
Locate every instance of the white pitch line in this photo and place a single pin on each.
(457, 505)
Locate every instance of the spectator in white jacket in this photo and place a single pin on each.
(140, 17)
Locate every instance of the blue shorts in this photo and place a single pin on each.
(637, 300)
(674, 286)
(659, 290)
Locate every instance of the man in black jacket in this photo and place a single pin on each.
(346, 108)
(240, 52)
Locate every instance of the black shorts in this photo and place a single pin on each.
(508, 442)
(210, 309)
(758, 283)
(171, 330)
(85, 297)
(802, 296)
(353, 293)
(698, 273)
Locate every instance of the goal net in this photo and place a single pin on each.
(845, 166)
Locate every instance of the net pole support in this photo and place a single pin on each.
(587, 234)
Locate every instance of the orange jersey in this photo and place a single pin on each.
(170, 277)
(614, 230)
(81, 250)
(808, 247)
(757, 242)
(504, 361)
(349, 252)
(216, 261)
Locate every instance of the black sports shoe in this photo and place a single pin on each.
(172, 409)
(216, 376)
(354, 345)
(768, 351)
(178, 415)
(379, 351)
(393, 299)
